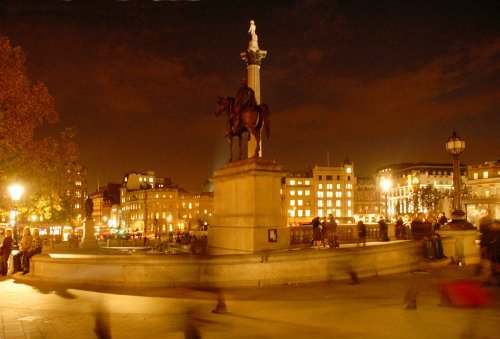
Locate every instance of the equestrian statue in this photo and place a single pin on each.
(243, 115)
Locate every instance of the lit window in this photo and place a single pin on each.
(292, 182)
(485, 175)
(329, 186)
(329, 194)
(338, 194)
(348, 186)
(320, 186)
(320, 213)
(337, 213)
(328, 203)
(292, 213)
(307, 193)
(299, 192)
(300, 213)
(299, 182)
(300, 202)
(349, 194)
(140, 179)
(338, 186)
(337, 203)
(292, 193)
(307, 182)
(292, 202)
(320, 203)
(348, 203)
(349, 213)
(320, 194)
(150, 179)
(308, 213)
(348, 170)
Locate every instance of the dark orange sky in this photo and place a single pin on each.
(379, 82)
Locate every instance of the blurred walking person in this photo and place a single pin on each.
(361, 233)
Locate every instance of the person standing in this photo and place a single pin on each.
(324, 231)
(332, 227)
(24, 246)
(361, 233)
(316, 231)
(36, 248)
(384, 229)
(6, 249)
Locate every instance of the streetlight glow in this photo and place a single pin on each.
(16, 191)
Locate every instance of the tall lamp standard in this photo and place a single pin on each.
(16, 191)
(455, 146)
(386, 185)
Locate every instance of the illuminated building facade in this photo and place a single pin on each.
(483, 191)
(367, 200)
(103, 199)
(319, 191)
(405, 178)
(154, 204)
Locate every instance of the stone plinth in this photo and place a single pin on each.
(89, 241)
(466, 250)
(247, 204)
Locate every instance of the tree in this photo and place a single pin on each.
(426, 197)
(49, 165)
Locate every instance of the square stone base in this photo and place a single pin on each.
(247, 204)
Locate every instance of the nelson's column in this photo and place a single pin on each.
(253, 57)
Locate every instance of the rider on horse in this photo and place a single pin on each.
(245, 98)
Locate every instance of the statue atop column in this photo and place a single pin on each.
(253, 45)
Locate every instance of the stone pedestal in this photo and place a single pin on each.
(466, 249)
(247, 204)
(89, 241)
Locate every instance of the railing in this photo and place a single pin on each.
(347, 233)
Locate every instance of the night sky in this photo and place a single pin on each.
(378, 82)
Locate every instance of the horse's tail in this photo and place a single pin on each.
(267, 121)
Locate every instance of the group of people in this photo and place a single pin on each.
(424, 228)
(321, 232)
(30, 245)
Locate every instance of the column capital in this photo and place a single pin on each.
(253, 57)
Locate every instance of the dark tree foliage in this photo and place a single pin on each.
(46, 167)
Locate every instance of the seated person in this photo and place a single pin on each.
(24, 246)
(35, 248)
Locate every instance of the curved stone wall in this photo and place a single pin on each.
(284, 267)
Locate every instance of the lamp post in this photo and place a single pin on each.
(16, 191)
(386, 185)
(455, 146)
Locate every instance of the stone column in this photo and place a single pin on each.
(253, 57)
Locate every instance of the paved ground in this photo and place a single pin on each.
(374, 308)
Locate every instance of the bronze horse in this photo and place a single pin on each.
(252, 120)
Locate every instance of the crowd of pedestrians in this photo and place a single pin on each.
(31, 244)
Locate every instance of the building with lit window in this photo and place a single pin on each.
(367, 203)
(103, 199)
(483, 191)
(396, 184)
(319, 191)
(155, 204)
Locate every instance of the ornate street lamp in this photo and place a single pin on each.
(455, 146)
(386, 185)
(16, 191)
